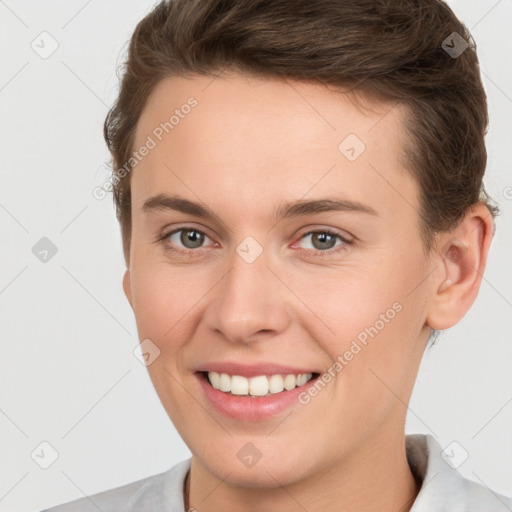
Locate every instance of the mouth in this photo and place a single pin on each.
(253, 392)
(257, 386)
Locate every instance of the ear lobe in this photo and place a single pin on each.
(462, 257)
(127, 287)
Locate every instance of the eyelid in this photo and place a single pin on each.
(168, 230)
(332, 231)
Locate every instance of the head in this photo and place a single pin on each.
(250, 109)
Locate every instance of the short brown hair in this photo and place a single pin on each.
(395, 49)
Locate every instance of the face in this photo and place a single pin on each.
(275, 233)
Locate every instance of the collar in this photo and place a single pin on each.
(443, 488)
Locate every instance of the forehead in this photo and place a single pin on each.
(249, 137)
(246, 102)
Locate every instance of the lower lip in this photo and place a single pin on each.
(247, 408)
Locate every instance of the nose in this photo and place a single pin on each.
(250, 303)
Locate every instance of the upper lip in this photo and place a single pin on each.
(251, 370)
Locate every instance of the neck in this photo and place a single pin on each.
(377, 477)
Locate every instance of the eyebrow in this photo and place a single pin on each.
(285, 210)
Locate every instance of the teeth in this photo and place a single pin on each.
(224, 382)
(289, 382)
(214, 379)
(239, 385)
(256, 386)
(301, 379)
(276, 384)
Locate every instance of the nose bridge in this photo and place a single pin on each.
(249, 302)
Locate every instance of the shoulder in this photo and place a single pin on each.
(163, 491)
(443, 488)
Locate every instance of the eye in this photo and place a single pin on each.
(324, 241)
(188, 238)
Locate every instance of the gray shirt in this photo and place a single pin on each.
(443, 488)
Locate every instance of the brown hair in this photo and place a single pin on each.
(398, 49)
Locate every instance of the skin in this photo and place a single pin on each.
(249, 145)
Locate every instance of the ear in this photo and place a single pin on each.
(127, 287)
(461, 258)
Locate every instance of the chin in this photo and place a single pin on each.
(267, 472)
(260, 477)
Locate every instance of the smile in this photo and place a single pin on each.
(252, 392)
(258, 386)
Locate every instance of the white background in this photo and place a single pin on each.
(68, 373)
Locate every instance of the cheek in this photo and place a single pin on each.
(164, 299)
(347, 305)
(165, 302)
(368, 321)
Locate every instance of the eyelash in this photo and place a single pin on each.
(162, 239)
